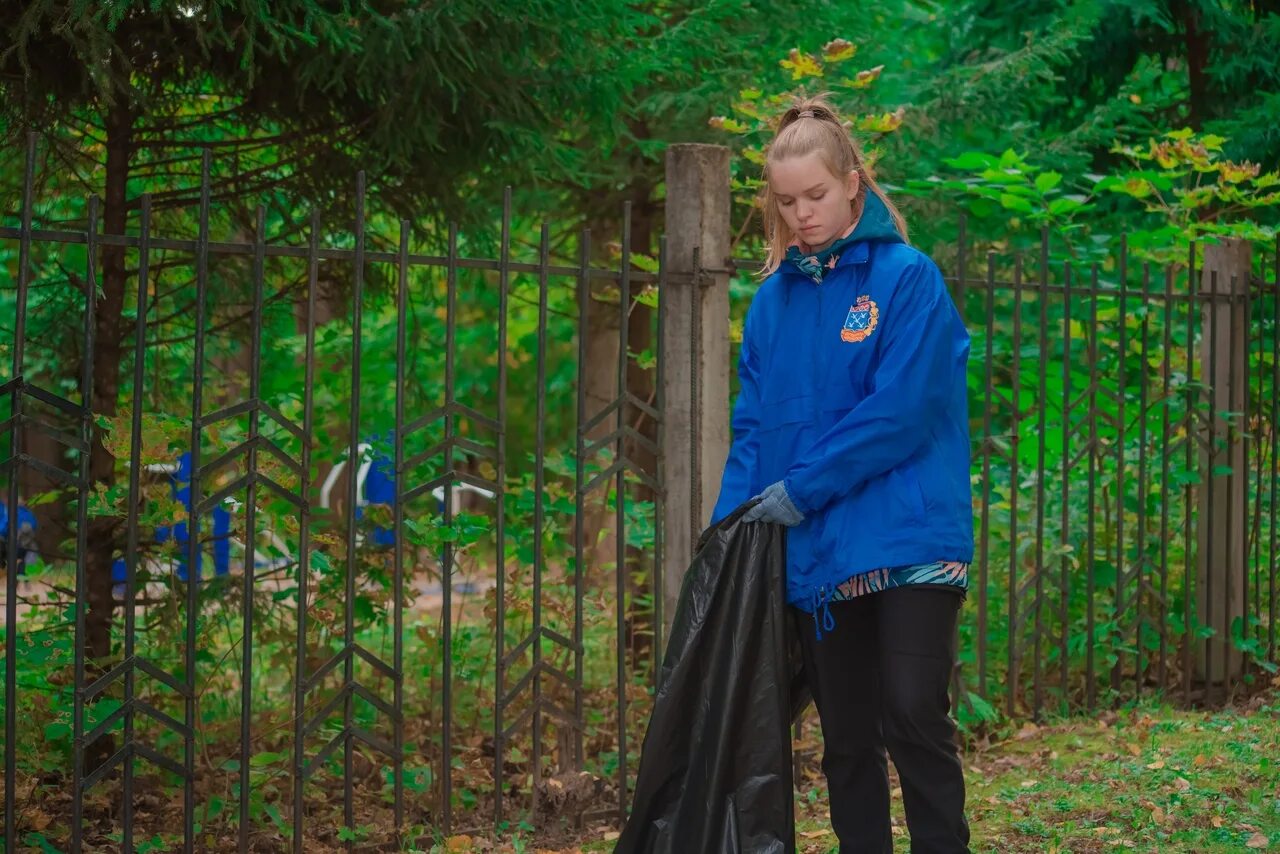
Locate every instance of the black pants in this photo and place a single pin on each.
(880, 681)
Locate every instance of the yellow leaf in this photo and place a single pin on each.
(801, 65)
(1234, 173)
(1156, 766)
(866, 78)
(814, 834)
(1134, 749)
(1258, 840)
(1216, 821)
(459, 843)
(1157, 815)
(1135, 98)
(884, 123)
(611, 836)
(838, 50)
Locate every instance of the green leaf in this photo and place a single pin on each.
(972, 161)
(1016, 203)
(1046, 181)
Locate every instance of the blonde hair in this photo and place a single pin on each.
(810, 125)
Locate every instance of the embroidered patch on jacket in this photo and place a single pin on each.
(861, 321)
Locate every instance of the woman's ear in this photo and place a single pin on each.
(852, 183)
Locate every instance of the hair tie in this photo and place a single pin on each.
(806, 114)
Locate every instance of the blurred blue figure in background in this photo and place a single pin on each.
(26, 536)
(376, 484)
(180, 486)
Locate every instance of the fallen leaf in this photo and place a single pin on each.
(814, 834)
(1028, 731)
(1135, 749)
(459, 843)
(1157, 815)
(611, 836)
(1258, 840)
(1183, 784)
(1155, 766)
(1199, 760)
(1216, 821)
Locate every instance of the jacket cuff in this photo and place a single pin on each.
(791, 498)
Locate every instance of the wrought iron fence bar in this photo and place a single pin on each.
(193, 522)
(1091, 621)
(332, 254)
(1013, 680)
(539, 517)
(1229, 432)
(985, 530)
(620, 502)
(1122, 386)
(1188, 509)
(580, 438)
(14, 472)
(397, 583)
(83, 488)
(353, 452)
(1212, 373)
(250, 529)
(1275, 447)
(304, 541)
(1166, 400)
(660, 495)
(1064, 537)
(1140, 590)
(446, 580)
(500, 666)
(1042, 385)
(135, 471)
(1253, 517)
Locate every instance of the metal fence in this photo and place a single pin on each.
(528, 664)
(363, 668)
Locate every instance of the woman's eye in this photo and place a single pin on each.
(818, 197)
(787, 203)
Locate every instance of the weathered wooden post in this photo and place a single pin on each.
(1222, 533)
(695, 352)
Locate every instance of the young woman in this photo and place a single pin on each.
(851, 427)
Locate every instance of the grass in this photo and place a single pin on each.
(1147, 778)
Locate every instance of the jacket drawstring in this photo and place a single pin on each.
(823, 619)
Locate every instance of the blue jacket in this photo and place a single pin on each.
(853, 393)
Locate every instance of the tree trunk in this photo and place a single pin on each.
(103, 531)
(1197, 51)
(641, 383)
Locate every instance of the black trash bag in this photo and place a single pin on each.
(715, 769)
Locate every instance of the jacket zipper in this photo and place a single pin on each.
(817, 356)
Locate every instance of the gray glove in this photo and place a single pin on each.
(775, 506)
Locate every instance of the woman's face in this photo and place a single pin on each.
(815, 204)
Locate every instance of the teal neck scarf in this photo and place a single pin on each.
(816, 265)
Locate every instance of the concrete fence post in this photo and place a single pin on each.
(1222, 530)
(695, 352)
